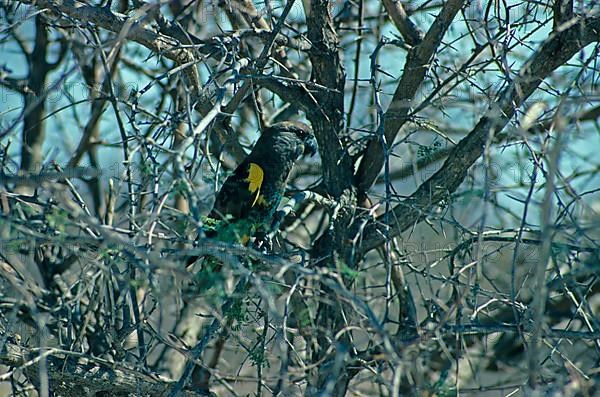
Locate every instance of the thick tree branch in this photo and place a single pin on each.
(328, 119)
(554, 52)
(395, 117)
(587, 115)
(33, 127)
(409, 31)
(563, 12)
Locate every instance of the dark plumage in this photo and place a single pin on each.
(248, 199)
(250, 196)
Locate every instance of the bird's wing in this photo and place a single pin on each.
(240, 192)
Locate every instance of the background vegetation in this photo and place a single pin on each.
(450, 243)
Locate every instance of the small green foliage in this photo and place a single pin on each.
(237, 232)
(210, 223)
(137, 283)
(348, 272)
(179, 188)
(57, 219)
(446, 392)
(15, 244)
(257, 357)
(237, 312)
(209, 275)
(425, 152)
(304, 317)
(108, 253)
(440, 388)
(145, 168)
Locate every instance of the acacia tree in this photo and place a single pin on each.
(443, 242)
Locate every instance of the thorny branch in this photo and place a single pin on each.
(393, 267)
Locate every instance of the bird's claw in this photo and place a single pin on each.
(263, 243)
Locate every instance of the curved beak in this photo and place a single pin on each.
(310, 146)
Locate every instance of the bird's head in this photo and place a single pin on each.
(293, 137)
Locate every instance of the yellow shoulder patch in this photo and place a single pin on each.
(255, 180)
